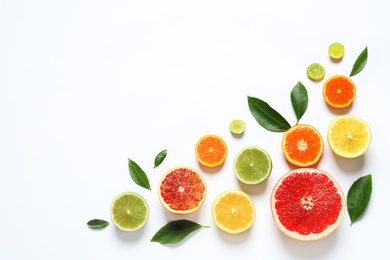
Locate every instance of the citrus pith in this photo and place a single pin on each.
(339, 91)
(182, 190)
(211, 150)
(307, 204)
(233, 211)
(129, 211)
(302, 145)
(349, 136)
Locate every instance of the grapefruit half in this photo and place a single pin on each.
(307, 204)
(182, 190)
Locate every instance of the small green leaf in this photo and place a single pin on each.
(358, 197)
(360, 62)
(266, 116)
(160, 158)
(175, 231)
(138, 175)
(97, 224)
(299, 100)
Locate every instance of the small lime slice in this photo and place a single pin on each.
(129, 211)
(315, 71)
(336, 51)
(252, 165)
(237, 126)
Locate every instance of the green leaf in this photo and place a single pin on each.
(266, 116)
(138, 175)
(97, 224)
(160, 158)
(360, 62)
(358, 197)
(299, 100)
(175, 231)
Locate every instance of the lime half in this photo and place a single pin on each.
(315, 71)
(252, 165)
(336, 51)
(237, 126)
(129, 211)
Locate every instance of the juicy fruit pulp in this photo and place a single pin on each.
(339, 91)
(211, 150)
(233, 211)
(336, 51)
(129, 211)
(237, 127)
(302, 145)
(252, 165)
(182, 190)
(315, 71)
(349, 136)
(307, 204)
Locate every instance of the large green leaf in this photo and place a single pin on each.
(299, 100)
(360, 62)
(266, 116)
(359, 195)
(175, 231)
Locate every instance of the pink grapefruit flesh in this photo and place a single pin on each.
(307, 204)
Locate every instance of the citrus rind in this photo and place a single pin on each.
(249, 166)
(227, 229)
(311, 236)
(346, 138)
(144, 216)
(182, 212)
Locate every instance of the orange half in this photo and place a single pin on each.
(302, 145)
(211, 150)
(339, 91)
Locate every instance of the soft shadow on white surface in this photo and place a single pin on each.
(309, 249)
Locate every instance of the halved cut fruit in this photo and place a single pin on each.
(307, 204)
(182, 190)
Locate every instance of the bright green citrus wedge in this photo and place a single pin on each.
(129, 211)
(237, 126)
(315, 71)
(252, 165)
(336, 51)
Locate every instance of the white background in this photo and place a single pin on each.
(85, 85)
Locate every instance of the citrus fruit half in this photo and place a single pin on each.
(349, 136)
(237, 126)
(307, 204)
(315, 71)
(211, 150)
(129, 211)
(302, 145)
(182, 190)
(233, 211)
(252, 165)
(336, 51)
(339, 91)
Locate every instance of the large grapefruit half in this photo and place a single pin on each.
(307, 204)
(182, 190)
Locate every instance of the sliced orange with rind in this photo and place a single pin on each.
(211, 150)
(302, 145)
(339, 91)
(233, 211)
(182, 190)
